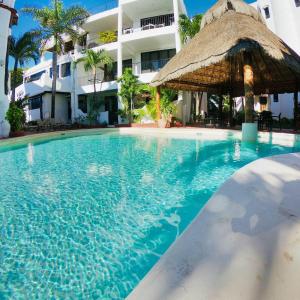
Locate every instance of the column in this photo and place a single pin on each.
(176, 18)
(120, 52)
(4, 102)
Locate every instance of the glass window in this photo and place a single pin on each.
(155, 60)
(276, 98)
(82, 103)
(35, 103)
(267, 12)
(297, 3)
(66, 70)
(127, 64)
(35, 77)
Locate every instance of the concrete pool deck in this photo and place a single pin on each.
(245, 244)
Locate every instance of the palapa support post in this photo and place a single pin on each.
(249, 127)
(158, 96)
(230, 111)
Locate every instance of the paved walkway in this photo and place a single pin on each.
(244, 245)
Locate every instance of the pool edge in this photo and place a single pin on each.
(195, 266)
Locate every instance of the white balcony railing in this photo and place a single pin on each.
(131, 30)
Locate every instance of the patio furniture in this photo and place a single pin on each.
(148, 27)
(278, 119)
(265, 120)
(127, 30)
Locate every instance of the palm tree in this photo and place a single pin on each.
(188, 28)
(54, 22)
(22, 49)
(96, 60)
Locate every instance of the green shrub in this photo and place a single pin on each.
(15, 116)
(107, 37)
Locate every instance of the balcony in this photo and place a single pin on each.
(95, 43)
(40, 83)
(152, 23)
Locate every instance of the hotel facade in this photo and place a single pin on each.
(147, 37)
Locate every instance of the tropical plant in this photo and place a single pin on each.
(107, 37)
(167, 106)
(54, 22)
(188, 28)
(16, 78)
(15, 116)
(22, 49)
(92, 61)
(130, 87)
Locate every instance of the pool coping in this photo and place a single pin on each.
(244, 244)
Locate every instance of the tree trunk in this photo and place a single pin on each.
(14, 80)
(54, 79)
(230, 111)
(249, 89)
(158, 111)
(296, 111)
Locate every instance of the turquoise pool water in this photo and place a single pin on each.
(87, 217)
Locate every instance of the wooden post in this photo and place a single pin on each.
(221, 110)
(230, 111)
(249, 89)
(158, 96)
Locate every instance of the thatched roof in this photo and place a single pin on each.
(213, 60)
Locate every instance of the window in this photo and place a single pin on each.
(267, 12)
(297, 3)
(127, 64)
(82, 103)
(276, 98)
(56, 71)
(155, 60)
(65, 70)
(35, 103)
(35, 77)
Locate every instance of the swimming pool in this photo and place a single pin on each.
(86, 217)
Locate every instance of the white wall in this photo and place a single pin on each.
(4, 33)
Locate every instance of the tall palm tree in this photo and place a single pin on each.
(188, 28)
(22, 49)
(94, 60)
(55, 21)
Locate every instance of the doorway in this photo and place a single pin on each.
(111, 105)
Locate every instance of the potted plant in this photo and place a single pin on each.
(16, 118)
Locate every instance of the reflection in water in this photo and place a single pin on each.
(30, 154)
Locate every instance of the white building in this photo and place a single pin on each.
(147, 37)
(8, 17)
(283, 18)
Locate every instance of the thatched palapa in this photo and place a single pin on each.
(213, 61)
